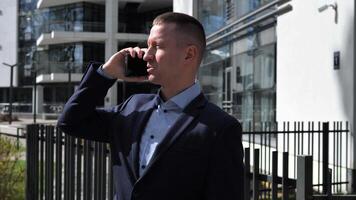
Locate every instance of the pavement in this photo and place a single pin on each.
(18, 127)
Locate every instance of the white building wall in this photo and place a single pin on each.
(308, 88)
(8, 40)
(188, 7)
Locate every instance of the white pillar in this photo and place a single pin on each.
(39, 99)
(189, 7)
(111, 28)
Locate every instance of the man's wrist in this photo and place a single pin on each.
(102, 72)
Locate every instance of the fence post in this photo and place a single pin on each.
(256, 188)
(247, 175)
(329, 184)
(274, 174)
(304, 177)
(31, 162)
(325, 156)
(285, 176)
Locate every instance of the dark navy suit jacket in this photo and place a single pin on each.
(200, 158)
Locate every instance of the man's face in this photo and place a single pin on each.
(164, 57)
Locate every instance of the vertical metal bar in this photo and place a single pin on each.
(347, 150)
(284, 137)
(295, 147)
(305, 177)
(46, 182)
(301, 130)
(31, 176)
(269, 156)
(79, 168)
(325, 155)
(288, 132)
(88, 160)
(41, 163)
(274, 174)
(256, 183)
(312, 139)
(285, 192)
(72, 168)
(309, 138)
(96, 157)
(336, 173)
(47, 162)
(66, 174)
(247, 188)
(110, 176)
(319, 149)
(52, 162)
(49, 134)
(340, 153)
(329, 184)
(334, 154)
(58, 164)
(103, 171)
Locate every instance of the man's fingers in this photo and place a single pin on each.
(139, 52)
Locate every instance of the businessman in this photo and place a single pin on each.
(173, 145)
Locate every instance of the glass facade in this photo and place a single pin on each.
(240, 75)
(76, 17)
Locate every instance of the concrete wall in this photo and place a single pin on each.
(8, 40)
(308, 88)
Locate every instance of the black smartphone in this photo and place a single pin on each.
(135, 66)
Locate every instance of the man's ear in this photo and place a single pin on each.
(191, 52)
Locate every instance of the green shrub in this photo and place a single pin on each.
(12, 170)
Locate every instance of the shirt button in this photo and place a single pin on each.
(143, 166)
(152, 136)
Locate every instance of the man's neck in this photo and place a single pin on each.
(169, 92)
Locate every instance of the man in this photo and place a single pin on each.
(173, 145)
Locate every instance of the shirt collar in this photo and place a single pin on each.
(183, 98)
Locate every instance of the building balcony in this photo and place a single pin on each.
(61, 37)
(50, 3)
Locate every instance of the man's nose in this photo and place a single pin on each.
(148, 55)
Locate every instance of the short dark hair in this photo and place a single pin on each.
(185, 24)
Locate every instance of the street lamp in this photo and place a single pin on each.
(11, 87)
(34, 71)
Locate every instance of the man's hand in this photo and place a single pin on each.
(115, 66)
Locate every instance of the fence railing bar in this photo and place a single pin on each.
(347, 160)
(325, 154)
(334, 156)
(256, 182)
(247, 188)
(285, 189)
(319, 156)
(295, 149)
(41, 163)
(274, 174)
(58, 164)
(79, 168)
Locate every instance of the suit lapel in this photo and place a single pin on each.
(190, 113)
(137, 132)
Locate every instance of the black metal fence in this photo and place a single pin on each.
(271, 152)
(60, 166)
(63, 167)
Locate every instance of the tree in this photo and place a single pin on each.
(12, 170)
